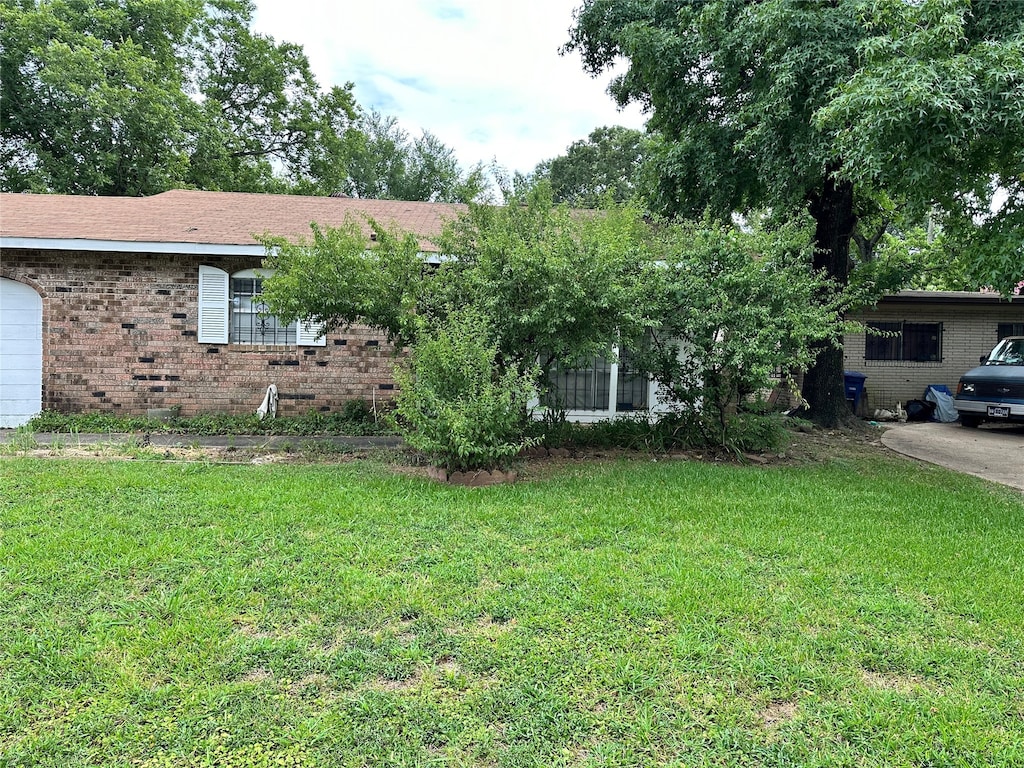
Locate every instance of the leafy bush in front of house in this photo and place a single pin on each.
(745, 432)
(711, 312)
(456, 404)
(555, 286)
(731, 310)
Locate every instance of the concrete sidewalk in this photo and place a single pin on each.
(992, 451)
(163, 440)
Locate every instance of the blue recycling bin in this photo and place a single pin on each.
(853, 381)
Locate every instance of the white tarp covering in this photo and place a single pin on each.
(945, 411)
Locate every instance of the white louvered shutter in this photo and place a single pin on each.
(213, 305)
(310, 335)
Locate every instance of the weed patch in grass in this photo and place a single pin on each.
(353, 421)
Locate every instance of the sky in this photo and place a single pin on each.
(484, 76)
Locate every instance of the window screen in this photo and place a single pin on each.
(631, 392)
(884, 345)
(584, 387)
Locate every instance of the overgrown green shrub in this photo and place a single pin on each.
(357, 412)
(744, 433)
(731, 309)
(456, 404)
(554, 286)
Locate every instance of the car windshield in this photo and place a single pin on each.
(1007, 352)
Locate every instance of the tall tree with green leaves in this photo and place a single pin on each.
(935, 115)
(132, 97)
(94, 96)
(389, 164)
(266, 122)
(812, 107)
(607, 164)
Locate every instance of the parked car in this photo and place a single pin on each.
(994, 391)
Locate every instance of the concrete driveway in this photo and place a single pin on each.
(992, 451)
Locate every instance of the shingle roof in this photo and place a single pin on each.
(217, 218)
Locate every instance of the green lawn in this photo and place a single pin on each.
(865, 612)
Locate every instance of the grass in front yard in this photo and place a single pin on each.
(633, 613)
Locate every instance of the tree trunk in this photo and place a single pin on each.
(832, 210)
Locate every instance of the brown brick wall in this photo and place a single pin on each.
(968, 331)
(119, 334)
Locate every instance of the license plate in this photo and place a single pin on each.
(999, 411)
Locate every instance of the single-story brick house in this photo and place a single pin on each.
(932, 337)
(127, 304)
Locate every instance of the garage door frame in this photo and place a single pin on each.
(21, 352)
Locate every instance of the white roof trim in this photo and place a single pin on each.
(139, 246)
(131, 246)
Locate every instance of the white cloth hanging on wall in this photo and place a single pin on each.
(269, 405)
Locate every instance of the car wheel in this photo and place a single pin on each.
(969, 421)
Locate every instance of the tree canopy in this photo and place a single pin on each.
(819, 108)
(133, 97)
(605, 165)
(389, 164)
(934, 116)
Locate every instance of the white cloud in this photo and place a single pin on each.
(485, 77)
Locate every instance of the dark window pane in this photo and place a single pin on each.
(922, 342)
(887, 347)
(1010, 329)
(584, 387)
(631, 392)
(912, 342)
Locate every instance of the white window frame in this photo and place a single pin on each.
(215, 309)
(655, 406)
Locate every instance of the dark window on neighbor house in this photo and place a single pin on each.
(1010, 329)
(251, 321)
(903, 341)
(884, 345)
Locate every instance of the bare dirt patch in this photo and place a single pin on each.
(405, 685)
(448, 666)
(257, 675)
(778, 713)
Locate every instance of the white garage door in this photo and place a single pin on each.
(21, 353)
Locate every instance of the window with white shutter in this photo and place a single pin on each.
(231, 310)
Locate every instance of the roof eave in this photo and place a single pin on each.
(946, 297)
(131, 246)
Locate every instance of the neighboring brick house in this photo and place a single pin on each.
(127, 304)
(932, 337)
